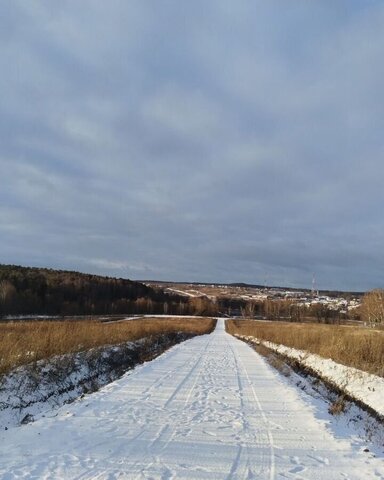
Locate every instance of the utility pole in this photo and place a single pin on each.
(314, 288)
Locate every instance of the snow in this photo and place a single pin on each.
(186, 293)
(47, 384)
(360, 385)
(209, 408)
(43, 386)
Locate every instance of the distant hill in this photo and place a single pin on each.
(26, 290)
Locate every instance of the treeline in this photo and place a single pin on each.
(41, 291)
(284, 309)
(294, 311)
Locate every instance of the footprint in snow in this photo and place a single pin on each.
(297, 469)
(321, 460)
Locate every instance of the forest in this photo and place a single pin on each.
(43, 291)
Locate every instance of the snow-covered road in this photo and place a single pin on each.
(209, 408)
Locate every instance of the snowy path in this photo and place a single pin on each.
(209, 408)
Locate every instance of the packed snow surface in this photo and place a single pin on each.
(209, 408)
(362, 386)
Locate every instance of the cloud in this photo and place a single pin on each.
(219, 141)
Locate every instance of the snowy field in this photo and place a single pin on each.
(209, 408)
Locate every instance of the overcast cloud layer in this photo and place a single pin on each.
(203, 141)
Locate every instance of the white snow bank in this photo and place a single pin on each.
(362, 386)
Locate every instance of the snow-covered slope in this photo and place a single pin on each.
(48, 384)
(210, 408)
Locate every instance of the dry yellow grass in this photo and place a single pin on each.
(24, 342)
(352, 346)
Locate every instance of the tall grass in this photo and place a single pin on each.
(352, 346)
(24, 342)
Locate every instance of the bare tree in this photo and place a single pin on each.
(249, 310)
(372, 307)
(7, 291)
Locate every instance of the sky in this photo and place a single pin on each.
(212, 141)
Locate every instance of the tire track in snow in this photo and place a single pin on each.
(159, 381)
(167, 432)
(266, 422)
(267, 462)
(206, 382)
(206, 387)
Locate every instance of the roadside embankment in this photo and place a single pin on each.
(27, 342)
(352, 346)
(54, 380)
(364, 388)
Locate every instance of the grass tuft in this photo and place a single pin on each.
(338, 406)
